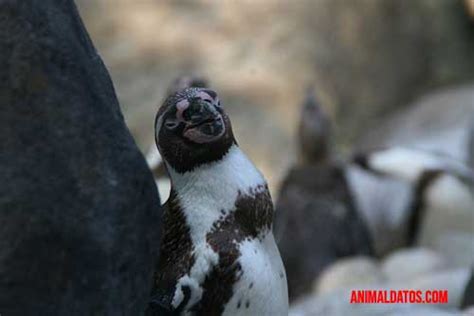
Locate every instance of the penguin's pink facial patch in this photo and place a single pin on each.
(181, 106)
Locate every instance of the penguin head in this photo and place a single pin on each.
(314, 131)
(192, 128)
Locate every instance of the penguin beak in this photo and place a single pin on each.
(203, 123)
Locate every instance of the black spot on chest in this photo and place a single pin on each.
(253, 215)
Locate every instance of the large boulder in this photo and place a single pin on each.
(79, 212)
(371, 57)
(468, 295)
(351, 272)
(441, 121)
(408, 263)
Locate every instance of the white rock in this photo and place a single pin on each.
(452, 280)
(449, 208)
(420, 310)
(468, 311)
(408, 263)
(458, 248)
(338, 304)
(345, 273)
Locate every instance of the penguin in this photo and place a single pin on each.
(315, 214)
(442, 190)
(218, 255)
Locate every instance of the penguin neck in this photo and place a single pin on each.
(320, 158)
(211, 191)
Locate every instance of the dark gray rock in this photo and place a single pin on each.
(79, 212)
(468, 296)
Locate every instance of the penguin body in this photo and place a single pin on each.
(442, 199)
(316, 219)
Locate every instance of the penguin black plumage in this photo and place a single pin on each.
(316, 221)
(218, 254)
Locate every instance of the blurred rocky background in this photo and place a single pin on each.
(367, 59)
(388, 73)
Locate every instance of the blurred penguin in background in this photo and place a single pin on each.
(404, 161)
(383, 203)
(316, 219)
(442, 200)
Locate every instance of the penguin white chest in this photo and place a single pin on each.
(262, 286)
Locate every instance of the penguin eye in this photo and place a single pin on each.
(171, 124)
(218, 103)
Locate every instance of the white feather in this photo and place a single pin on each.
(263, 281)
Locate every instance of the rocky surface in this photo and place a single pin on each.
(337, 304)
(79, 212)
(428, 124)
(419, 269)
(468, 295)
(458, 247)
(355, 271)
(409, 263)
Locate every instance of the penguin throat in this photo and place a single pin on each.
(210, 192)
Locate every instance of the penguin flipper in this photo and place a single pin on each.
(160, 305)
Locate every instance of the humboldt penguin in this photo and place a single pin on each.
(218, 255)
(442, 200)
(316, 221)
